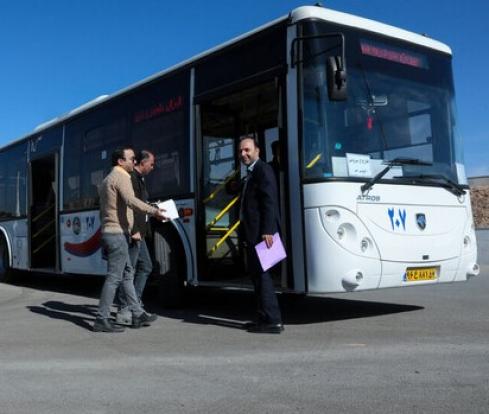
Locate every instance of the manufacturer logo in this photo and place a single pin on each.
(373, 198)
(421, 221)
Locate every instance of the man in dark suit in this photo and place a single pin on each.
(259, 215)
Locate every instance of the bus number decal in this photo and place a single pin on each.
(397, 220)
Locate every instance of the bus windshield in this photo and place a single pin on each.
(400, 105)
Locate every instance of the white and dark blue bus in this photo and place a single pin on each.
(372, 182)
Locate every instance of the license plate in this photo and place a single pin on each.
(421, 273)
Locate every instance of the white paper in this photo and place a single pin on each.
(170, 208)
(358, 165)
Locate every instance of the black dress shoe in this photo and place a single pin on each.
(144, 319)
(104, 325)
(273, 328)
(251, 324)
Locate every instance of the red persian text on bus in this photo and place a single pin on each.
(174, 104)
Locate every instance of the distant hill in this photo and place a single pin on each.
(479, 195)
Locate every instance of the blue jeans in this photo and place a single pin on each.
(141, 260)
(119, 273)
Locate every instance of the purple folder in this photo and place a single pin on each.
(270, 256)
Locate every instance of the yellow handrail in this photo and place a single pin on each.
(44, 243)
(43, 212)
(219, 188)
(313, 161)
(222, 212)
(223, 238)
(50, 223)
(219, 229)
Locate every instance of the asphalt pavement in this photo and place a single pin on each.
(412, 350)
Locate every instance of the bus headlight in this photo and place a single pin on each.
(346, 232)
(340, 232)
(365, 244)
(346, 229)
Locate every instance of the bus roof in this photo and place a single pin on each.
(296, 15)
(308, 12)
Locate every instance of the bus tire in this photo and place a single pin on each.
(5, 269)
(170, 263)
(171, 290)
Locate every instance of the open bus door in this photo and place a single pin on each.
(220, 208)
(223, 121)
(43, 212)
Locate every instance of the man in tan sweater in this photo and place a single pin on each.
(117, 202)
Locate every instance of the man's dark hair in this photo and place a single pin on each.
(143, 155)
(119, 154)
(255, 141)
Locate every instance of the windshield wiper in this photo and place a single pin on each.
(451, 186)
(392, 163)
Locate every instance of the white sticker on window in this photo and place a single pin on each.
(358, 165)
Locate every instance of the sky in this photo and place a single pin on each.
(59, 54)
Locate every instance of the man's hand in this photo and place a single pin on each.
(268, 238)
(159, 215)
(136, 236)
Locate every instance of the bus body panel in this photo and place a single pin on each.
(400, 237)
(81, 251)
(358, 242)
(15, 232)
(393, 273)
(331, 268)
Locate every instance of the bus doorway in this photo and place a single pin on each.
(43, 210)
(224, 120)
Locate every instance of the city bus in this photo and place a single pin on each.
(373, 192)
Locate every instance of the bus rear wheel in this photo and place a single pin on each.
(5, 269)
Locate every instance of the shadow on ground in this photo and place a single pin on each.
(206, 306)
(80, 315)
(234, 308)
(87, 286)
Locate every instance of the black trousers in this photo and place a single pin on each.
(268, 310)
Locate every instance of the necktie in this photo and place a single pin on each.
(243, 192)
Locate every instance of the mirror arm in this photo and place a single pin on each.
(295, 42)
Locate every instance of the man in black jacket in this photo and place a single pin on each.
(259, 216)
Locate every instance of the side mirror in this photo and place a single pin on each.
(336, 78)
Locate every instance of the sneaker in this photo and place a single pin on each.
(144, 319)
(124, 318)
(104, 325)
